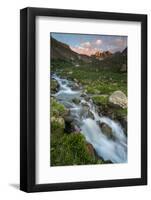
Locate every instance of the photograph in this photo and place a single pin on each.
(88, 99)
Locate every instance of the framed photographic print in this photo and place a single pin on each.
(83, 95)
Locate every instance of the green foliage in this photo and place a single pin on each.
(57, 109)
(57, 112)
(100, 99)
(95, 79)
(54, 86)
(57, 125)
(70, 149)
(59, 64)
(91, 90)
(120, 113)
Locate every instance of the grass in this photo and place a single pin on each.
(120, 113)
(70, 149)
(57, 109)
(95, 79)
(100, 99)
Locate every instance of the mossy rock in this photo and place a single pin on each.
(76, 100)
(118, 99)
(54, 86)
(107, 130)
(90, 150)
(58, 109)
(57, 125)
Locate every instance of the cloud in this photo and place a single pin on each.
(117, 44)
(98, 42)
(88, 48)
(86, 51)
(86, 44)
(120, 42)
(113, 44)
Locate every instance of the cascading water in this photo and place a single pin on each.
(87, 119)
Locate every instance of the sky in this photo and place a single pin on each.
(88, 44)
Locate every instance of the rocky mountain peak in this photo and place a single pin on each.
(101, 55)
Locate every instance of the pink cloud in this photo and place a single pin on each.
(86, 44)
(120, 42)
(86, 51)
(98, 42)
(88, 48)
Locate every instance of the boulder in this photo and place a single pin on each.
(90, 114)
(69, 127)
(76, 100)
(84, 103)
(123, 122)
(75, 80)
(66, 112)
(90, 150)
(68, 118)
(118, 99)
(75, 86)
(87, 98)
(58, 120)
(83, 94)
(54, 86)
(57, 125)
(106, 130)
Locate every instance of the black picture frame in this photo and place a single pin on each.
(28, 99)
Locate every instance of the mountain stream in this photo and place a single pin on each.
(113, 149)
